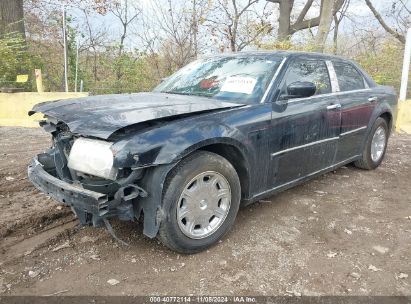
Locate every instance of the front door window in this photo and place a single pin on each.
(314, 71)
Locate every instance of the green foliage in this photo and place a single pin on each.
(384, 64)
(130, 72)
(15, 60)
(287, 45)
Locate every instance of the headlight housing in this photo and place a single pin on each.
(93, 157)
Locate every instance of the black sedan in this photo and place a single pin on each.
(221, 132)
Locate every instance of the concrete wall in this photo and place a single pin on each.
(14, 106)
(404, 117)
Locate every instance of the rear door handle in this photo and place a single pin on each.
(333, 106)
(373, 99)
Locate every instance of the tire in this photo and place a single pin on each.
(367, 161)
(183, 234)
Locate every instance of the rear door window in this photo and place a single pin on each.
(349, 79)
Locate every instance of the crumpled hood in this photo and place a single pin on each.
(100, 116)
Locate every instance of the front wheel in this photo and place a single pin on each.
(375, 146)
(201, 200)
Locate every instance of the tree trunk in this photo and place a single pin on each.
(194, 28)
(234, 29)
(284, 27)
(335, 36)
(11, 17)
(326, 17)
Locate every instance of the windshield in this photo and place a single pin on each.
(236, 78)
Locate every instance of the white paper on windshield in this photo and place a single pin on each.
(236, 84)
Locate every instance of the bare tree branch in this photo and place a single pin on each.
(304, 11)
(386, 27)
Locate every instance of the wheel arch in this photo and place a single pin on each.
(237, 159)
(388, 118)
(234, 152)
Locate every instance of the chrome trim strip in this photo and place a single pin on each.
(353, 131)
(335, 86)
(366, 85)
(326, 95)
(305, 146)
(333, 107)
(273, 80)
(317, 142)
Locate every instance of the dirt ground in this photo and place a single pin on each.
(345, 233)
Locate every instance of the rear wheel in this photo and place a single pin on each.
(375, 146)
(201, 200)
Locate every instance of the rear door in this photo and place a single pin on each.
(357, 105)
(304, 131)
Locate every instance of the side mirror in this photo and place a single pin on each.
(300, 89)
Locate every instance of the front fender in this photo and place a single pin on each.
(172, 142)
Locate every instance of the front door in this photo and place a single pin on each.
(304, 131)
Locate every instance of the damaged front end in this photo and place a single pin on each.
(79, 173)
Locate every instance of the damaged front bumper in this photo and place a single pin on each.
(92, 208)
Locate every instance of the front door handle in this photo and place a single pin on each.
(373, 99)
(333, 106)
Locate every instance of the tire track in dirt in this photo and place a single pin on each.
(13, 248)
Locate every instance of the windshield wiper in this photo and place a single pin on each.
(177, 93)
(188, 94)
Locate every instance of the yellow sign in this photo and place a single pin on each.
(22, 78)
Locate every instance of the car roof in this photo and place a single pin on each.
(281, 53)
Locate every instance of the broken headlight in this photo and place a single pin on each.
(93, 157)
